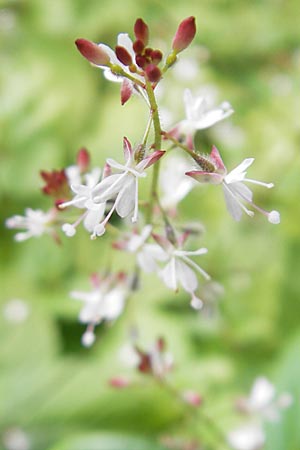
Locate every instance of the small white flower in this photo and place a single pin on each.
(247, 437)
(180, 269)
(35, 222)
(83, 199)
(199, 116)
(16, 439)
(262, 400)
(236, 193)
(105, 302)
(122, 187)
(15, 311)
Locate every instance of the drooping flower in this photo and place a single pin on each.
(179, 269)
(105, 302)
(262, 400)
(35, 223)
(199, 116)
(122, 187)
(236, 192)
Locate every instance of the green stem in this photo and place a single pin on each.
(195, 413)
(157, 146)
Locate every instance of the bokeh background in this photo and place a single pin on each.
(52, 103)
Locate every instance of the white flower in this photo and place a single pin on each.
(122, 187)
(262, 400)
(175, 185)
(123, 41)
(105, 302)
(247, 437)
(180, 269)
(236, 193)
(16, 439)
(15, 311)
(199, 116)
(83, 199)
(35, 222)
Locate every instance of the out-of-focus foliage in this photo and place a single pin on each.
(52, 103)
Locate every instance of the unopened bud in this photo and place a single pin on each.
(92, 52)
(138, 47)
(192, 398)
(141, 31)
(156, 56)
(123, 55)
(153, 73)
(184, 34)
(141, 61)
(83, 159)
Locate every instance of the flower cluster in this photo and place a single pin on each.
(150, 229)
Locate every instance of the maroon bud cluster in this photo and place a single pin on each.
(146, 58)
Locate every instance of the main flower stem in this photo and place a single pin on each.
(157, 146)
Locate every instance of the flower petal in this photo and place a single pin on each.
(239, 172)
(186, 276)
(126, 198)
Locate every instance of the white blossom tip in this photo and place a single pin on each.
(274, 217)
(196, 303)
(270, 185)
(88, 338)
(68, 229)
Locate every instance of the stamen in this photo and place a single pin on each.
(260, 183)
(196, 267)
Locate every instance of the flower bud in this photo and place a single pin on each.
(141, 61)
(92, 52)
(153, 73)
(156, 56)
(138, 47)
(83, 159)
(141, 31)
(123, 55)
(184, 34)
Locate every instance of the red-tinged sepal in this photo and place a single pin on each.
(205, 177)
(141, 31)
(184, 34)
(83, 159)
(162, 241)
(152, 159)
(123, 56)
(217, 160)
(128, 153)
(92, 52)
(126, 91)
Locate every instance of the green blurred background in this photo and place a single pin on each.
(52, 103)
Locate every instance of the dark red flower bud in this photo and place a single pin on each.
(148, 51)
(126, 91)
(141, 31)
(123, 55)
(141, 61)
(83, 159)
(184, 34)
(92, 52)
(138, 47)
(156, 56)
(153, 73)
